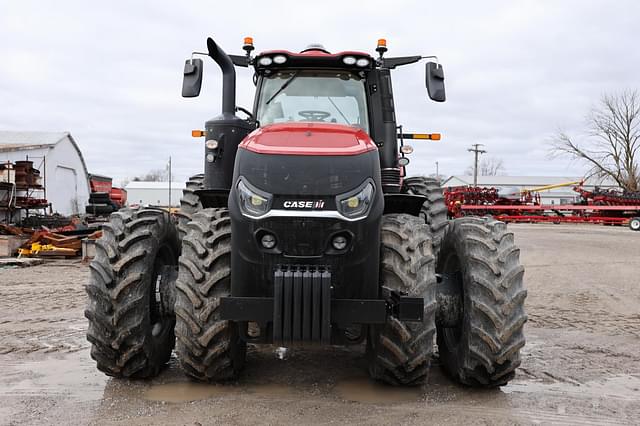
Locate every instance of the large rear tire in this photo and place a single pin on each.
(434, 210)
(130, 332)
(400, 352)
(208, 348)
(189, 203)
(484, 349)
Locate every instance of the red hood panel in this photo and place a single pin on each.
(308, 139)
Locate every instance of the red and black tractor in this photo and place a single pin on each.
(304, 230)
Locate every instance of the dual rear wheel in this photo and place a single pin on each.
(131, 327)
(482, 271)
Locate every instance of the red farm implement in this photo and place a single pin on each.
(594, 206)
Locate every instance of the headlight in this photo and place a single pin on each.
(280, 59)
(265, 61)
(251, 202)
(362, 62)
(357, 203)
(349, 60)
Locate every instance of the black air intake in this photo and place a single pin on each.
(301, 305)
(390, 179)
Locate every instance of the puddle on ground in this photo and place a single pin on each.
(186, 391)
(367, 391)
(622, 387)
(271, 390)
(72, 377)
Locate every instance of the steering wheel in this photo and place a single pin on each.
(314, 115)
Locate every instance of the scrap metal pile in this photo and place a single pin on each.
(62, 242)
(593, 206)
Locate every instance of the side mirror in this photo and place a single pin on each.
(192, 80)
(435, 82)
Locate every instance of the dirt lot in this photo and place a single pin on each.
(581, 364)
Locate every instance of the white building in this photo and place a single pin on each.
(62, 167)
(511, 184)
(154, 193)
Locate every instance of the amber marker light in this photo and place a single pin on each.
(247, 45)
(432, 136)
(197, 133)
(382, 46)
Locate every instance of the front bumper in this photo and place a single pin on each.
(303, 311)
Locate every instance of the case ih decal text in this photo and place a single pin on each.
(303, 204)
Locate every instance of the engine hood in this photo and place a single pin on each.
(324, 139)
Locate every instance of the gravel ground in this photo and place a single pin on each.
(581, 364)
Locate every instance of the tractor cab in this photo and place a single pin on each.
(348, 88)
(312, 86)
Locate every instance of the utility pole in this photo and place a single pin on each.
(476, 150)
(169, 183)
(437, 172)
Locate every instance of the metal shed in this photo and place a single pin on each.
(59, 159)
(154, 193)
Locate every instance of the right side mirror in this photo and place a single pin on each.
(192, 80)
(435, 82)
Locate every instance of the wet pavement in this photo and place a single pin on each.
(581, 364)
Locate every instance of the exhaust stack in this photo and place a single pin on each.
(224, 133)
(228, 77)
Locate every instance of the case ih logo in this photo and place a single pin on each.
(302, 204)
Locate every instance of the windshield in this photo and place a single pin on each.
(320, 96)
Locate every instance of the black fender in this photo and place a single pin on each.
(403, 203)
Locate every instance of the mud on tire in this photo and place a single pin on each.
(434, 210)
(400, 352)
(189, 203)
(209, 349)
(130, 334)
(484, 350)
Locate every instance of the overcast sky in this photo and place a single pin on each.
(516, 71)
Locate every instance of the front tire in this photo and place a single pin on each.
(634, 224)
(483, 350)
(400, 352)
(131, 334)
(208, 348)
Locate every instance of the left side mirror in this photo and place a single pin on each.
(435, 82)
(192, 80)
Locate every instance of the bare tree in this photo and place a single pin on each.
(155, 175)
(612, 146)
(491, 166)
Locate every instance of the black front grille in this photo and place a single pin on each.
(299, 236)
(301, 304)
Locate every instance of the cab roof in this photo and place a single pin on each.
(312, 57)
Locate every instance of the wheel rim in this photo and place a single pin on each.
(451, 267)
(157, 314)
